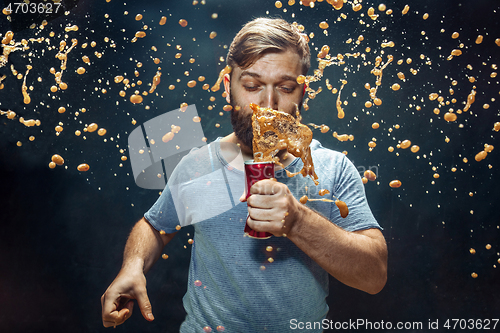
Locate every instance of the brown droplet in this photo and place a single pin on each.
(92, 127)
(395, 183)
(135, 99)
(57, 159)
(344, 210)
(370, 175)
(83, 167)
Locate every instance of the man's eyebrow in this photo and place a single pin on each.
(288, 78)
(248, 73)
(257, 76)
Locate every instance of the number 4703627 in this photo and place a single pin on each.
(472, 324)
(32, 8)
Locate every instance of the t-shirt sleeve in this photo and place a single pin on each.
(162, 215)
(350, 189)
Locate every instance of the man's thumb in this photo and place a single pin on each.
(145, 306)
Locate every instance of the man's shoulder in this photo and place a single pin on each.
(197, 155)
(329, 162)
(319, 151)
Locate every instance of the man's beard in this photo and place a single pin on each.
(242, 124)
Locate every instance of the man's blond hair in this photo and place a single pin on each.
(265, 35)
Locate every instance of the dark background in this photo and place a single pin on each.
(63, 232)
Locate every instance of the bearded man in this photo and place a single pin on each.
(232, 284)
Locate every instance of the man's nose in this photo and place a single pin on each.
(270, 98)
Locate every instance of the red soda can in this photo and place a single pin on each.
(255, 171)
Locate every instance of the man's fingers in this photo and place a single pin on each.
(115, 318)
(145, 305)
(126, 311)
(261, 201)
(109, 324)
(257, 225)
(124, 314)
(265, 226)
(109, 306)
(130, 307)
(243, 197)
(119, 316)
(267, 187)
(115, 309)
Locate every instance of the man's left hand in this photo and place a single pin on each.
(272, 208)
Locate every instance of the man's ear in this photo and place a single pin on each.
(227, 87)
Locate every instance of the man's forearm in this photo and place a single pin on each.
(357, 259)
(143, 248)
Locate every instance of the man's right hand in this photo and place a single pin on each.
(117, 302)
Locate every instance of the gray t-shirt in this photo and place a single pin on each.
(232, 283)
